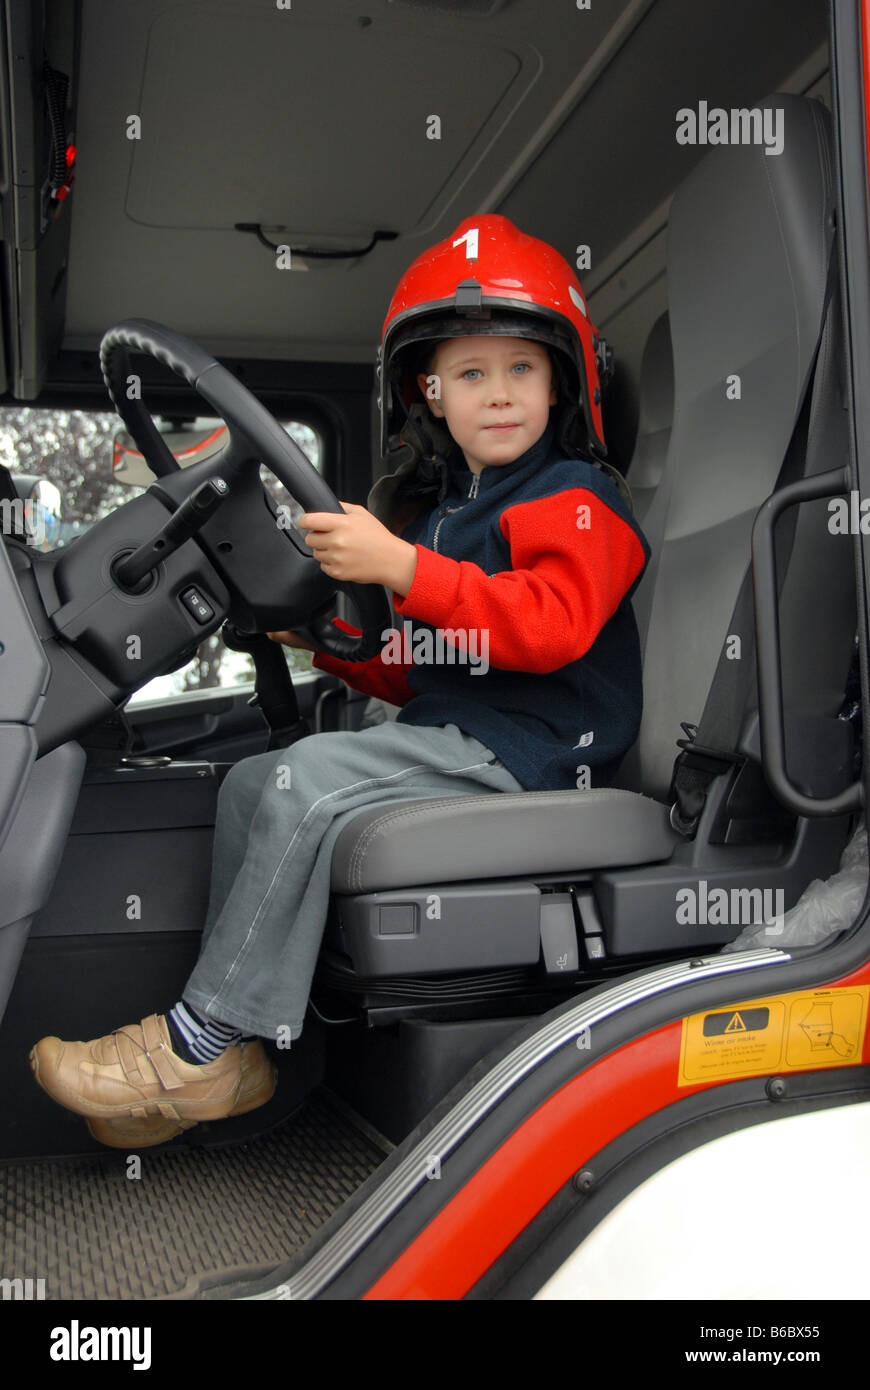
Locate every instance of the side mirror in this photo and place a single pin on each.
(42, 507)
(186, 445)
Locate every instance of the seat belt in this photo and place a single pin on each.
(273, 685)
(710, 747)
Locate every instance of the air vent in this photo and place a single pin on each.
(473, 9)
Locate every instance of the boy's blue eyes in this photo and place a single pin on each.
(527, 366)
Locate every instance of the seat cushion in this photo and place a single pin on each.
(497, 835)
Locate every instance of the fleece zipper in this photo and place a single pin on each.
(446, 511)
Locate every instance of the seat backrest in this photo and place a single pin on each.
(656, 412)
(749, 240)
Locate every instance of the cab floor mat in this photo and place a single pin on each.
(92, 1229)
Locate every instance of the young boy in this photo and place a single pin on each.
(512, 556)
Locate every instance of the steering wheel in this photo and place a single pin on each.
(254, 437)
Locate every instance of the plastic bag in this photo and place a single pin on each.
(824, 908)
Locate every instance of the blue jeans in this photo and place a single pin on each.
(279, 815)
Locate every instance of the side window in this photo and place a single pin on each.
(97, 468)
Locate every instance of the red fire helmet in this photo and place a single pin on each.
(489, 277)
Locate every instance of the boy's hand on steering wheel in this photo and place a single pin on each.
(357, 546)
(291, 639)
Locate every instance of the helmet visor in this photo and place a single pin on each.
(406, 351)
(501, 325)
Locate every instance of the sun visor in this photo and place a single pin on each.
(274, 160)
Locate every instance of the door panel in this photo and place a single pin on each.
(216, 725)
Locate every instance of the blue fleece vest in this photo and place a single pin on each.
(537, 724)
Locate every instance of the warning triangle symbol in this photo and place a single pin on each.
(735, 1024)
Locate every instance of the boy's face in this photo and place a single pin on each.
(495, 395)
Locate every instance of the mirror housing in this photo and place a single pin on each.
(187, 446)
(42, 510)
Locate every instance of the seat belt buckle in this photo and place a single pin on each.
(686, 828)
(283, 738)
(695, 767)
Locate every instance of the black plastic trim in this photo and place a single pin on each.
(851, 169)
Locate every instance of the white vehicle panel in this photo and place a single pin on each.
(777, 1210)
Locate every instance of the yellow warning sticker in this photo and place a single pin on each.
(786, 1032)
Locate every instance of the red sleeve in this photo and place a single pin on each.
(382, 680)
(574, 560)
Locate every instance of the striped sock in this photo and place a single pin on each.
(196, 1037)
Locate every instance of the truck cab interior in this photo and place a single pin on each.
(206, 136)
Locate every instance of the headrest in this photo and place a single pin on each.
(748, 248)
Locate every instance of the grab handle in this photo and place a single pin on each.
(766, 590)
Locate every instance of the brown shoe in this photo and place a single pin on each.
(259, 1079)
(134, 1072)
